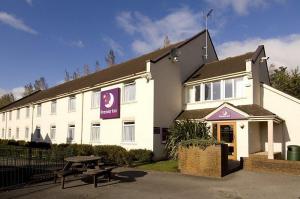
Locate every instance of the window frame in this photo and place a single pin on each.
(124, 92)
(3, 117)
(71, 98)
(10, 115)
(93, 99)
(38, 110)
(52, 126)
(128, 123)
(27, 112)
(18, 114)
(26, 132)
(53, 102)
(71, 126)
(92, 137)
(17, 132)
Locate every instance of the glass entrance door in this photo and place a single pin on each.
(227, 135)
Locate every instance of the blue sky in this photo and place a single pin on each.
(46, 37)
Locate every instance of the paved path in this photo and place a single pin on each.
(136, 184)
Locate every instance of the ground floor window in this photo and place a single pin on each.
(52, 132)
(9, 133)
(71, 133)
(3, 133)
(95, 132)
(128, 134)
(17, 133)
(37, 132)
(164, 135)
(26, 132)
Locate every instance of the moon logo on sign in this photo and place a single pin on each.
(108, 100)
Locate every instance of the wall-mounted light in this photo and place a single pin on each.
(242, 126)
(264, 59)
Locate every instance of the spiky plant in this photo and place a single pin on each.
(185, 130)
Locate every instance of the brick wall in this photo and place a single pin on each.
(211, 161)
(271, 166)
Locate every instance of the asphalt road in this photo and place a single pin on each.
(137, 184)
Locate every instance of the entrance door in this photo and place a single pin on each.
(227, 134)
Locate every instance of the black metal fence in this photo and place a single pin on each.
(19, 165)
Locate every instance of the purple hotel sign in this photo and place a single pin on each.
(110, 104)
(226, 114)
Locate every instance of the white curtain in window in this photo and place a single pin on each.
(17, 133)
(52, 132)
(128, 132)
(95, 99)
(26, 132)
(27, 112)
(39, 110)
(3, 132)
(228, 88)
(216, 90)
(72, 104)
(95, 133)
(53, 107)
(239, 87)
(129, 92)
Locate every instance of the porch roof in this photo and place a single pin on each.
(252, 110)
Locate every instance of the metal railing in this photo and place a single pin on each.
(20, 165)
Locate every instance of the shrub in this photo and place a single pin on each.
(112, 154)
(185, 130)
(140, 155)
(85, 149)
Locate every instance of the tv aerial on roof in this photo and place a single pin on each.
(206, 35)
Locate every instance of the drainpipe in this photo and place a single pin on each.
(82, 103)
(32, 111)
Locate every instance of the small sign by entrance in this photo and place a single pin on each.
(226, 114)
(110, 104)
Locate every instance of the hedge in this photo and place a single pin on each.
(109, 153)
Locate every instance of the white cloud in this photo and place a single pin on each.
(18, 92)
(114, 45)
(149, 34)
(16, 23)
(241, 7)
(78, 44)
(283, 51)
(29, 2)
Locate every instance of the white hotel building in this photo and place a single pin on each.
(233, 96)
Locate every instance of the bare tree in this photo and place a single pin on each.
(67, 76)
(86, 69)
(40, 84)
(110, 58)
(6, 99)
(28, 89)
(97, 67)
(166, 41)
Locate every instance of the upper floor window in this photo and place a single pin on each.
(95, 101)
(3, 117)
(128, 134)
(18, 114)
(52, 132)
(27, 112)
(129, 92)
(223, 89)
(95, 132)
(10, 115)
(38, 110)
(53, 107)
(72, 104)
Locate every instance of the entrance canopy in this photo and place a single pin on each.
(226, 111)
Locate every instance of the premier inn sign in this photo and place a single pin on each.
(110, 104)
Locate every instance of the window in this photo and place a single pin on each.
(164, 135)
(238, 87)
(197, 93)
(128, 132)
(17, 133)
(52, 132)
(18, 114)
(95, 132)
(95, 103)
(26, 132)
(38, 110)
(10, 115)
(129, 92)
(71, 133)
(27, 112)
(228, 88)
(9, 133)
(53, 107)
(207, 91)
(216, 90)
(38, 132)
(3, 133)
(3, 117)
(72, 104)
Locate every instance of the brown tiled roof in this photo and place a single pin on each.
(222, 67)
(131, 67)
(252, 110)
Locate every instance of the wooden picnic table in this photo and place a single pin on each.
(81, 159)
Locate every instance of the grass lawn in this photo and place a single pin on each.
(167, 165)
